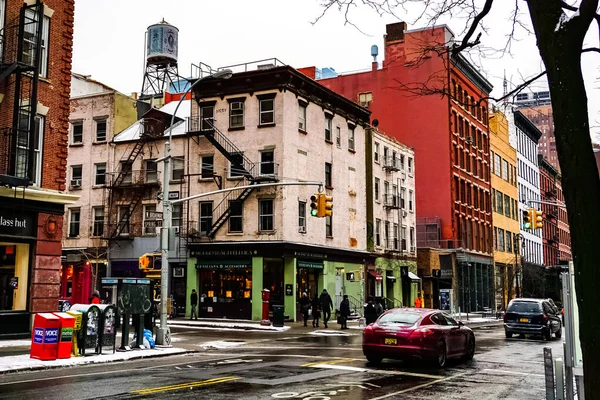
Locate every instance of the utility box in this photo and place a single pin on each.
(76, 331)
(44, 338)
(65, 340)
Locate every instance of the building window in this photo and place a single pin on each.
(329, 226)
(505, 170)
(328, 127)
(376, 188)
(265, 215)
(499, 203)
(351, 138)
(23, 152)
(149, 220)
(177, 172)
(74, 221)
(236, 167)
(98, 229)
(236, 114)
(207, 166)
(500, 239)
(403, 232)
(236, 216)
(100, 178)
(267, 111)
(385, 154)
(176, 217)
(410, 200)
(378, 232)
(29, 42)
(364, 99)
(101, 130)
(412, 238)
(302, 116)
(507, 206)
(127, 171)
(509, 242)
(267, 164)
(376, 154)
(207, 116)
(402, 197)
(338, 136)
(302, 216)
(497, 165)
(151, 171)
(76, 175)
(77, 135)
(206, 216)
(123, 218)
(328, 180)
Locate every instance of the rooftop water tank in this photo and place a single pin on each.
(162, 43)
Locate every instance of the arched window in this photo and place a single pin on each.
(460, 95)
(466, 97)
(453, 89)
(479, 113)
(484, 115)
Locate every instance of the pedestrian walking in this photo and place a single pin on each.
(370, 313)
(345, 311)
(95, 297)
(327, 305)
(316, 311)
(194, 301)
(304, 307)
(378, 307)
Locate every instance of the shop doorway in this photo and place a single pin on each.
(14, 266)
(273, 280)
(225, 293)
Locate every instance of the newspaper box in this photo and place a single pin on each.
(87, 339)
(65, 339)
(78, 317)
(44, 338)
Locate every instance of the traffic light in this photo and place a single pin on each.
(538, 219)
(527, 218)
(327, 205)
(314, 204)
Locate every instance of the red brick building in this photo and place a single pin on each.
(35, 73)
(449, 134)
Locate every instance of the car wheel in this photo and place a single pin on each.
(558, 333)
(440, 360)
(470, 348)
(374, 360)
(548, 335)
(508, 334)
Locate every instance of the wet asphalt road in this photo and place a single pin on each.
(301, 366)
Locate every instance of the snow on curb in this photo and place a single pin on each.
(331, 333)
(228, 326)
(24, 362)
(15, 343)
(220, 344)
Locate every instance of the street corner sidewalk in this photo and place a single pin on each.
(23, 362)
(230, 325)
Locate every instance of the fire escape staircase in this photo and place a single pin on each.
(240, 165)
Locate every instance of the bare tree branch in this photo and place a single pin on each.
(465, 42)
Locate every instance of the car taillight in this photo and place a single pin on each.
(421, 332)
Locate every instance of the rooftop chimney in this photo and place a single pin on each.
(394, 32)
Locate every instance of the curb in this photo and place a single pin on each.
(94, 360)
(233, 326)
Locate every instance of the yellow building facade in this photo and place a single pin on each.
(505, 206)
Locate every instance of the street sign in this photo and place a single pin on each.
(160, 196)
(174, 195)
(155, 223)
(154, 215)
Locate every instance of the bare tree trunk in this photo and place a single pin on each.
(560, 47)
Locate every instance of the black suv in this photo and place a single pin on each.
(532, 317)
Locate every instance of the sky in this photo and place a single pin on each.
(109, 39)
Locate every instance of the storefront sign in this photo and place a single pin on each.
(217, 253)
(16, 223)
(306, 254)
(289, 290)
(446, 266)
(223, 264)
(14, 282)
(308, 264)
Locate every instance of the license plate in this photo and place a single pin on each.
(390, 341)
(524, 320)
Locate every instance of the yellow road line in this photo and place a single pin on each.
(331, 362)
(188, 385)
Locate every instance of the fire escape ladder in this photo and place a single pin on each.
(137, 149)
(223, 209)
(125, 219)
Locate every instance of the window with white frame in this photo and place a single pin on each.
(338, 136)
(267, 110)
(403, 233)
(395, 237)
(29, 42)
(74, 222)
(76, 176)
(98, 228)
(177, 168)
(207, 116)
(151, 171)
(101, 130)
(376, 152)
(265, 215)
(206, 216)
(207, 166)
(402, 198)
(377, 232)
(236, 216)
(100, 174)
(410, 165)
(412, 238)
(302, 216)
(329, 226)
(236, 167)
(77, 132)
(411, 195)
(127, 171)
(328, 127)
(351, 137)
(302, 116)
(22, 158)
(149, 219)
(267, 162)
(176, 217)
(386, 232)
(236, 114)
(376, 188)
(328, 171)
(364, 99)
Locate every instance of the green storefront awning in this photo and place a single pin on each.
(308, 264)
(223, 264)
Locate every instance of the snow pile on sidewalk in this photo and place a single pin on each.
(331, 333)
(247, 326)
(24, 362)
(221, 344)
(15, 343)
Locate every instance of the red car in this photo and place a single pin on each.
(417, 333)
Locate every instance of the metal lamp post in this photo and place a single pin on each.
(163, 334)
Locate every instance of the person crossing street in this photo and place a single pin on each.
(327, 305)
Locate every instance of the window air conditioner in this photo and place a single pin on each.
(75, 182)
(302, 229)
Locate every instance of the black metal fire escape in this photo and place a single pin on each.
(21, 47)
(240, 165)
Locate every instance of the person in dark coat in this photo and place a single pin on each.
(327, 305)
(345, 311)
(316, 311)
(370, 313)
(304, 307)
(378, 307)
(194, 302)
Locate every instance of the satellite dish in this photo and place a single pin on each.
(375, 123)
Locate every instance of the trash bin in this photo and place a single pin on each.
(65, 340)
(76, 331)
(278, 315)
(90, 324)
(44, 338)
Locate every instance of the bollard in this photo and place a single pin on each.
(560, 381)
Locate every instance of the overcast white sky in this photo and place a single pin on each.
(109, 39)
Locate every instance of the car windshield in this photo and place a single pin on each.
(524, 307)
(402, 318)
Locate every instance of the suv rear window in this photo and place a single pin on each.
(524, 307)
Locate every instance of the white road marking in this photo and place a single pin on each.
(501, 371)
(375, 371)
(418, 386)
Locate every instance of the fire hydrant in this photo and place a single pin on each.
(266, 295)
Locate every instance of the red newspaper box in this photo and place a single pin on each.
(65, 339)
(44, 338)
